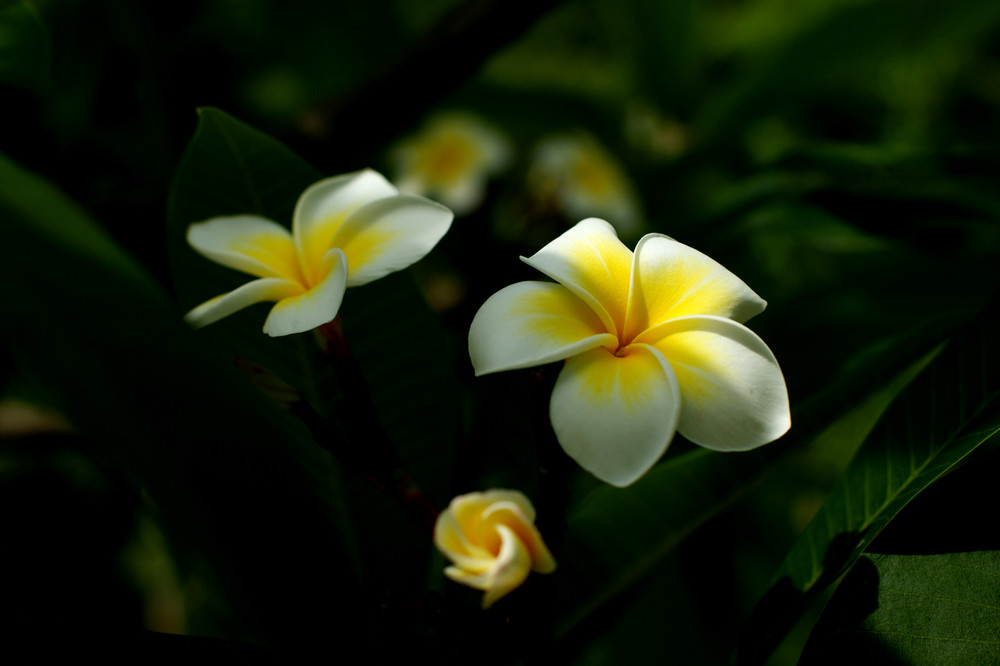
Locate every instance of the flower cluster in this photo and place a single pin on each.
(653, 342)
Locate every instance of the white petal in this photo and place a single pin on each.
(315, 307)
(670, 280)
(533, 323)
(615, 415)
(326, 205)
(590, 261)
(734, 395)
(390, 234)
(248, 243)
(265, 289)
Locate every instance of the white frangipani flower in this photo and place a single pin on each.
(451, 159)
(492, 542)
(346, 231)
(653, 344)
(584, 180)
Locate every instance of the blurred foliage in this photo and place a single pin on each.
(842, 158)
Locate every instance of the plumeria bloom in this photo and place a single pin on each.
(584, 180)
(346, 231)
(451, 160)
(492, 542)
(653, 344)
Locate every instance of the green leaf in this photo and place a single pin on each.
(241, 491)
(948, 411)
(616, 536)
(913, 609)
(409, 363)
(25, 50)
(845, 47)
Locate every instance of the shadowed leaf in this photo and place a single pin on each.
(235, 482)
(948, 411)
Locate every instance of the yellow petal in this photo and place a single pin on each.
(533, 323)
(450, 538)
(510, 512)
(511, 566)
(306, 311)
(590, 261)
(670, 279)
(734, 395)
(390, 234)
(248, 243)
(257, 291)
(615, 415)
(325, 206)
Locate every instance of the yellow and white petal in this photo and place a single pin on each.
(510, 513)
(533, 323)
(326, 205)
(592, 263)
(511, 567)
(390, 234)
(257, 291)
(734, 395)
(615, 415)
(670, 279)
(248, 243)
(315, 307)
(450, 537)
(468, 507)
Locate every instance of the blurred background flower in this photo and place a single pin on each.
(450, 160)
(582, 179)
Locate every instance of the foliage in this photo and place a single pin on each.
(841, 158)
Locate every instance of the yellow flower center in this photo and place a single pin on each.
(595, 176)
(447, 158)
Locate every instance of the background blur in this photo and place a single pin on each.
(842, 157)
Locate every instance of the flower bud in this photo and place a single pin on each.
(491, 540)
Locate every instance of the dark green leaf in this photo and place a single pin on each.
(842, 48)
(913, 609)
(950, 409)
(235, 481)
(616, 536)
(25, 51)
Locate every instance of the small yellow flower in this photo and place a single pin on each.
(451, 160)
(584, 180)
(492, 541)
(653, 344)
(346, 231)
